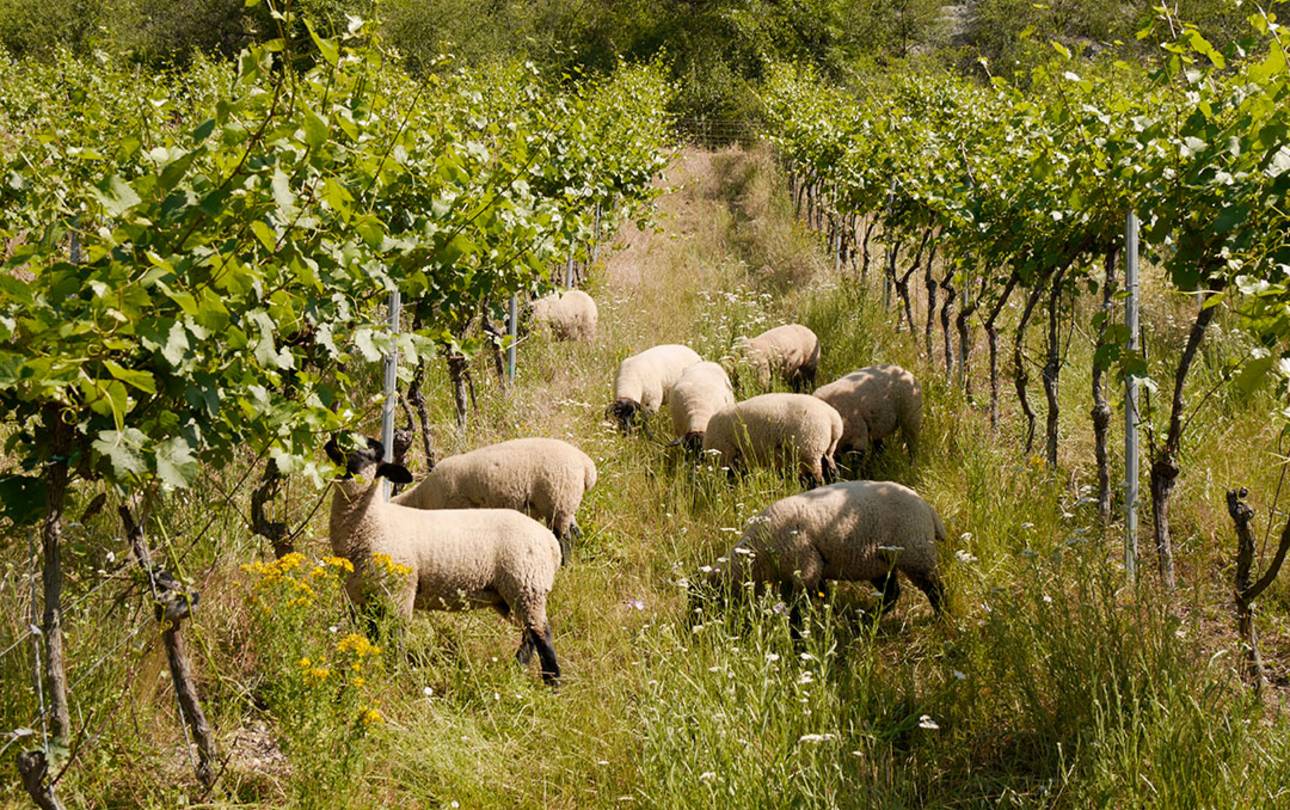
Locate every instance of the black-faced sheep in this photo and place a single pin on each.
(645, 380)
(570, 315)
(852, 531)
(704, 389)
(776, 429)
(544, 478)
(460, 559)
(874, 402)
(790, 352)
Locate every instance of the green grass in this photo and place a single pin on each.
(1050, 684)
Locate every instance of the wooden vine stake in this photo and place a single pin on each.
(1245, 592)
(173, 605)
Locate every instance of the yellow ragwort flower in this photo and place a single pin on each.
(371, 717)
(339, 562)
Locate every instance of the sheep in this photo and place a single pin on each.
(791, 352)
(544, 478)
(704, 388)
(570, 315)
(461, 559)
(852, 531)
(777, 428)
(874, 401)
(644, 381)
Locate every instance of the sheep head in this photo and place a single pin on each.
(363, 458)
(623, 411)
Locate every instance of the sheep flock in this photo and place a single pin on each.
(491, 527)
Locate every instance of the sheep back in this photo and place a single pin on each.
(571, 315)
(851, 531)
(791, 351)
(773, 428)
(874, 402)
(703, 389)
(544, 478)
(647, 378)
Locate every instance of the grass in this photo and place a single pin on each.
(1051, 684)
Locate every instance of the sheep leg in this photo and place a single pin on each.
(562, 537)
(544, 643)
(830, 467)
(525, 652)
(931, 585)
(890, 590)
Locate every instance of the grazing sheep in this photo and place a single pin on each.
(461, 559)
(874, 401)
(777, 428)
(702, 390)
(570, 315)
(791, 352)
(544, 478)
(853, 531)
(644, 381)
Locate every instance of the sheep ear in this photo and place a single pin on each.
(394, 472)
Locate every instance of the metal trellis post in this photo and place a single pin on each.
(391, 389)
(512, 329)
(1131, 399)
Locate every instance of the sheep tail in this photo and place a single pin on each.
(589, 475)
(939, 526)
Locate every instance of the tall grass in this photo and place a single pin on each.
(1051, 682)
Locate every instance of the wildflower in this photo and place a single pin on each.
(807, 657)
(805, 678)
(966, 537)
(602, 762)
(371, 717)
(958, 676)
(305, 663)
(1027, 526)
(707, 776)
(357, 644)
(816, 738)
(927, 722)
(357, 681)
(290, 562)
(319, 674)
(339, 562)
(780, 608)
(1048, 599)
(772, 657)
(636, 604)
(964, 556)
(428, 691)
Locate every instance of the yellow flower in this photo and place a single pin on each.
(290, 562)
(391, 567)
(357, 681)
(357, 644)
(319, 674)
(339, 562)
(371, 717)
(305, 663)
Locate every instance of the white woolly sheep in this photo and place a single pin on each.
(544, 478)
(777, 428)
(790, 352)
(852, 531)
(874, 402)
(570, 315)
(704, 389)
(461, 559)
(645, 380)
